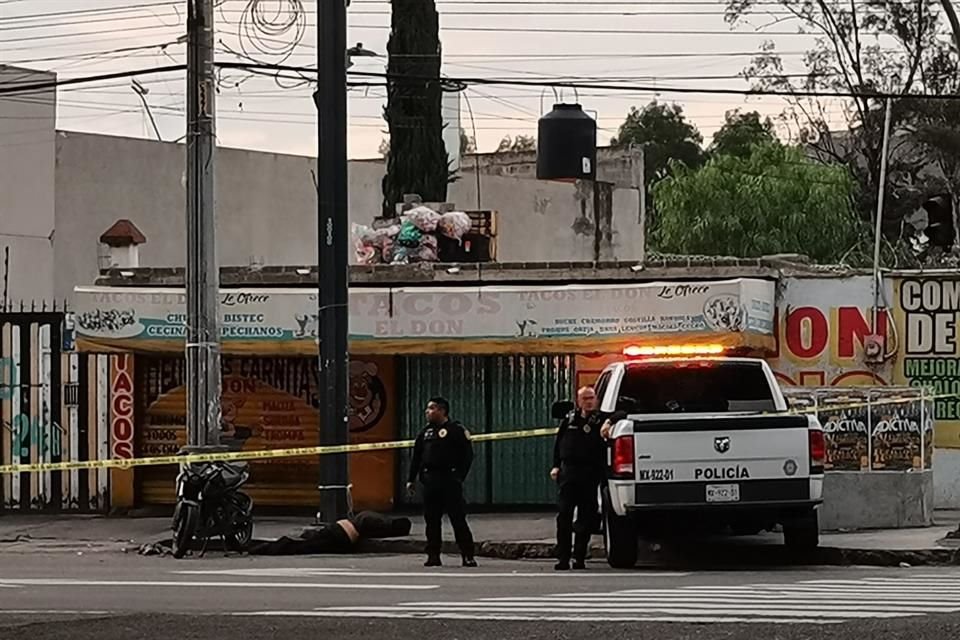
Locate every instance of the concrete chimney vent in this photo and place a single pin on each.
(119, 246)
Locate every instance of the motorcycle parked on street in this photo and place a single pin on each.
(209, 505)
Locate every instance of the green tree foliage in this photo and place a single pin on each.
(776, 200)
(666, 137)
(899, 47)
(417, 161)
(667, 140)
(741, 132)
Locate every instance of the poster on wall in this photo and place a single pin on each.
(800, 400)
(844, 417)
(929, 353)
(895, 432)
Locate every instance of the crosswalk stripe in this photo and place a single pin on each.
(412, 615)
(614, 613)
(813, 601)
(732, 598)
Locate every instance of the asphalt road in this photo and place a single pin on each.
(114, 596)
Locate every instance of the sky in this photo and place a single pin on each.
(661, 45)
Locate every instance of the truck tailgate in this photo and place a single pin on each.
(735, 458)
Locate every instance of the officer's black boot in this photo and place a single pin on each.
(580, 547)
(469, 561)
(433, 561)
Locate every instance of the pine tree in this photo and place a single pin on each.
(417, 161)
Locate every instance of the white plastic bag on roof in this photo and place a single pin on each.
(423, 218)
(454, 224)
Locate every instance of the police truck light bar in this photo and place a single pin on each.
(675, 350)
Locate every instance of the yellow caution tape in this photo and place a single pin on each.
(300, 452)
(264, 454)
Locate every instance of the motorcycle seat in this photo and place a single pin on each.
(233, 474)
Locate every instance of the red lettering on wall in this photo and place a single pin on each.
(807, 331)
(121, 405)
(854, 326)
(809, 321)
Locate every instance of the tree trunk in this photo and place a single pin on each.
(417, 161)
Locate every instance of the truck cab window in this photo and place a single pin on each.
(696, 387)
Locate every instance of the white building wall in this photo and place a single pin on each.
(27, 165)
(266, 208)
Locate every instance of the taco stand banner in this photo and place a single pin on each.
(577, 318)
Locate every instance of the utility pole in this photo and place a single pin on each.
(203, 273)
(878, 228)
(331, 100)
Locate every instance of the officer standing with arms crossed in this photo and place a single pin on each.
(579, 465)
(442, 456)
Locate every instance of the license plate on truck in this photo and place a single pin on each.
(723, 493)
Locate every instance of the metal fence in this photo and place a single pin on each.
(47, 414)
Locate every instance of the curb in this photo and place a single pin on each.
(698, 558)
(739, 556)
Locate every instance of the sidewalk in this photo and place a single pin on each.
(513, 536)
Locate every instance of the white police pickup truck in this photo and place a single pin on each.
(708, 445)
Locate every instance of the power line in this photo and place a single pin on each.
(589, 31)
(94, 11)
(96, 54)
(28, 87)
(459, 83)
(83, 33)
(580, 3)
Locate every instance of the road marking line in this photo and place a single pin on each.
(708, 608)
(589, 599)
(528, 618)
(534, 618)
(46, 612)
(353, 573)
(56, 582)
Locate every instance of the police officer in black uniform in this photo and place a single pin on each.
(579, 464)
(442, 457)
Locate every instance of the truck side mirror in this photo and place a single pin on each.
(561, 409)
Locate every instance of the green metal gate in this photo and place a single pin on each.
(489, 394)
(524, 388)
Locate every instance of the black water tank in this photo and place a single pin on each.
(567, 144)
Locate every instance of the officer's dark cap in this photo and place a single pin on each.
(441, 404)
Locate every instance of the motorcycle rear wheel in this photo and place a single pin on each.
(184, 529)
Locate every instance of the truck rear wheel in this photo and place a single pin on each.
(802, 533)
(619, 537)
